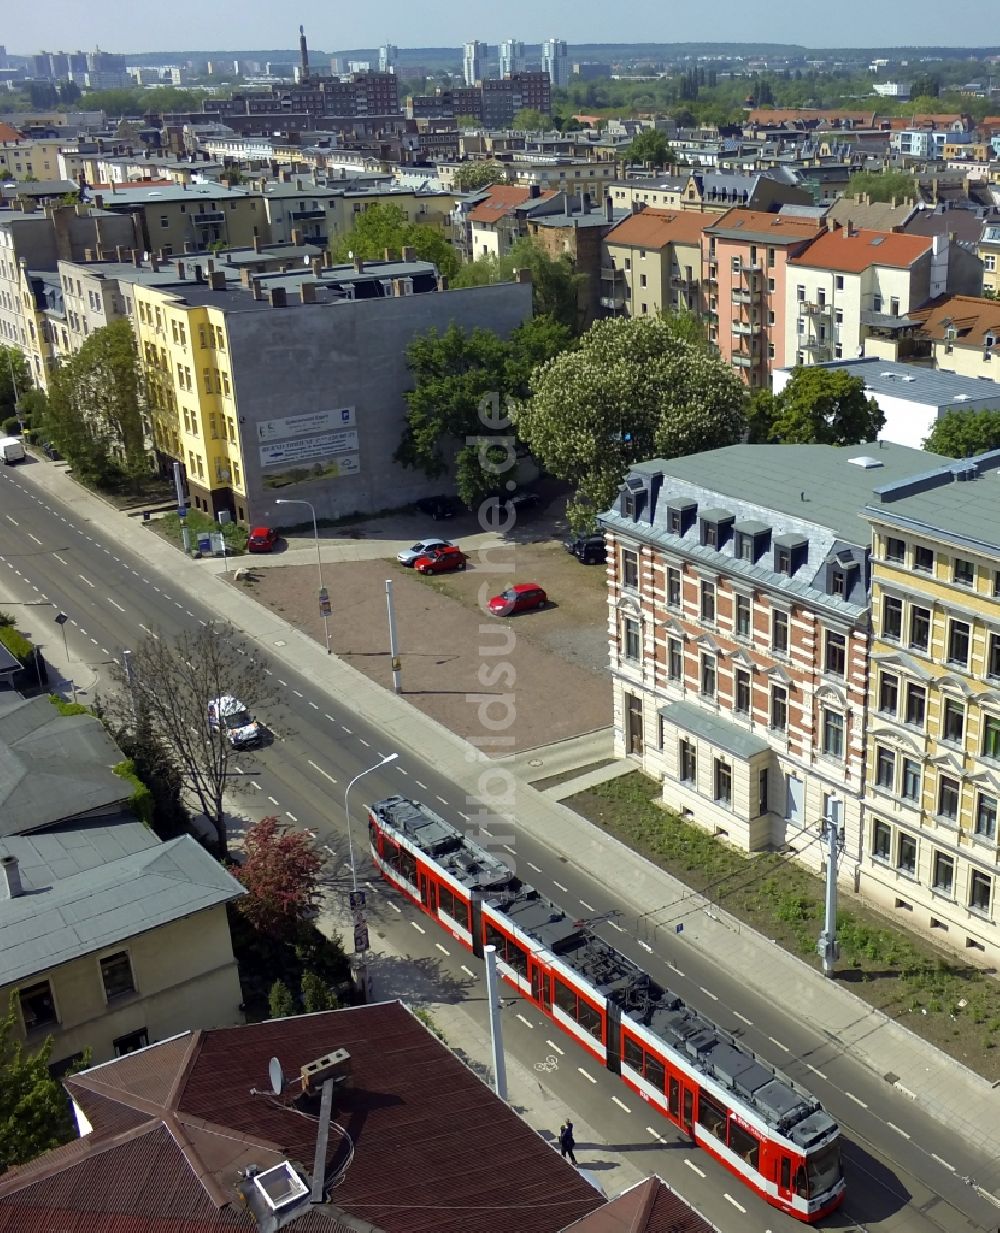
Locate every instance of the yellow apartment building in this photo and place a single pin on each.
(963, 331)
(654, 262)
(932, 792)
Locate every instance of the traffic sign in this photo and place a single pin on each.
(182, 511)
(358, 899)
(360, 938)
(61, 618)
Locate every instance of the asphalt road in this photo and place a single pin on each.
(905, 1171)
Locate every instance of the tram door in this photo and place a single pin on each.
(785, 1179)
(687, 1109)
(541, 985)
(428, 893)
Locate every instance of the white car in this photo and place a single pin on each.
(239, 725)
(421, 548)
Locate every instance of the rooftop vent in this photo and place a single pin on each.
(865, 461)
(909, 378)
(280, 1187)
(961, 397)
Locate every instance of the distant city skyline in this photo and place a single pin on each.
(258, 24)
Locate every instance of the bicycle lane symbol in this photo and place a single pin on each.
(547, 1066)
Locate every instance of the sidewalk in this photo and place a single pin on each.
(945, 1090)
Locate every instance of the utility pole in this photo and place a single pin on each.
(828, 947)
(393, 643)
(130, 681)
(496, 1032)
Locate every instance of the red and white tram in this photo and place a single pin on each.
(760, 1125)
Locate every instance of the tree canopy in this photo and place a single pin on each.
(281, 874)
(960, 434)
(632, 389)
(15, 379)
(818, 406)
(649, 146)
(882, 185)
(555, 284)
(34, 1109)
(463, 384)
(471, 176)
(529, 120)
(383, 225)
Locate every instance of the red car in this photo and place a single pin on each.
(441, 560)
(262, 539)
(519, 598)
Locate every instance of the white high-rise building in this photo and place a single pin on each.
(474, 62)
(555, 61)
(387, 55)
(511, 57)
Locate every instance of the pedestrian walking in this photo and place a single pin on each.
(566, 1141)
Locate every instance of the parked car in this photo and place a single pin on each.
(240, 727)
(439, 508)
(521, 597)
(421, 549)
(522, 500)
(589, 549)
(441, 560)
(50, 451)
(262, 539)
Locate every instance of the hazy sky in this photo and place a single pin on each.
(117, 25)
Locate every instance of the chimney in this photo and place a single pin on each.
(359, 265)
(442, 282)
(180, 269)
(317, 266)
(523, 276)
(217, 280)
(99, 201)
(10, 884)
(308, 293)
(199, 274)
(277, 297)
(609, 210)
(154, 263)
(327, 259)
(88, 255)
(534, 191)
(257, 246)
(296, 237)
(137, 258)
(246, 276)
(211, 265)
(386, 254)
(256, 289)
(409, 253)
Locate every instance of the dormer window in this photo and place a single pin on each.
(838, 583)
(782, 560)
(681, 516)
(750, 540)
(790, 552)
(716, 528)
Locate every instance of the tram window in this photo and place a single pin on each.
(655, 1073)
(744, 1144)
(632, 1054)
(712, 1116)
(786, 1173)
(408, 866)
(517, 959)
(565, 999)
(451, 905)
(801, 1184)
(390, 851)
(495, 938)
(674, 1097)
(590, 1020)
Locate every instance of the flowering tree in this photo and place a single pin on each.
(280, 873)
(633, 389)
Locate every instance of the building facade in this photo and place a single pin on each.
(654, 263)
(474, 60)
(511, 56)
(555, 61)
(963, 332)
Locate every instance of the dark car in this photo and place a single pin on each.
(521, 597)
(439, 508)
(50, 451)
(262, 539)
(522, 500)
(589, 549)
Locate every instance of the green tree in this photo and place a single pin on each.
(882, 185)
(555, 284)
(686, 324)
(960, 434)
(316, 994)
(15, 379)
(927, 85)
(529, 120)
(649, 146)
(818, 406)
(384, 226)
(280, 1002)
(34, 1110)
(467, 121)
(472, 176)
(631, 389)
(456, 412)
(95, 405)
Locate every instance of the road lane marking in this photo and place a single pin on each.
(272, 800)
(940, 1160)
(743, 1018)
(691, 1165)
(421, 784)
(283, 684)
(314, 706)
(443, 949)
(297, 693)
(714, 996)
(441, 799)
(291, 815)
(897, 1129)
(564, 889)
(615, 925)
(586, 1076)
(656, 1134)
(15, 522)
(507, 848)
(646, 947)
(468, 971)
(739, 1206)
(589, 906)
(419, 928)
(526, 1022)
(87, 581)
(785, 1049)
(815, 1070)
(364, 742)
(61, 560)
(344, 726)
(394, 906)
(94, 640)
(34, 537)
(552, 1045)
(114, 603)
(254, 784)
(851, 1096)
(621, 1104)
(674, 968)
(531, 866)
(325, 774)
(402, 769)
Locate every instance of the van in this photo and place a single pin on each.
(11, 450)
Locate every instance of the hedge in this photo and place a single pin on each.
(141, 800)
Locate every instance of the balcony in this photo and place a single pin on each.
(808, 308)
(210, 218)
(743, 361)
(746, 327)
(614, 292)
(745, 297)
(305, 216)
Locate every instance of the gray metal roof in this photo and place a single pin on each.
(53, 767)
(109, 903)
(928, 386)
(53, 855)
(713, 728)
(958, 501)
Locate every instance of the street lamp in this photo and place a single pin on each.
(358, 898)
(324, 599)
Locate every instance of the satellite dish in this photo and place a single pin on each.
(276, 1075)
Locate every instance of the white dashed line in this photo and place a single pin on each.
(739, 1206)
(897, 1129)
(84, 578)
(586, 1076)
(534, 867)
(656, 1134)
(283, 684)
(743, 1018)
(942, 1161)
(419, 928)
(621, 1104)
(394, 907)
(468, 971)
(94, 641)
(441, 799)
(13, 520)
(297, 693)
(272, 800)
(421, 784)
(691, 1165)
(589, 906)
(34, 537)
(325, 774)
(815, 1070)
(507, 848)
(527, 1022)
(552, 1045)
(314, 706)
(646, 947)
(291, 816)
(709, 994)
(61, 560)
(402, 770)
(443, 949)
(559, 885)
(114, 603)
(674, 968)
(344, 726)
(857, 1101)
(364, 742)
(615, 925)
(785, 1049)
(254, 784)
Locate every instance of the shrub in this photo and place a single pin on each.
(141, 801)
(11, 426)
(17, 644)
(280, 1003)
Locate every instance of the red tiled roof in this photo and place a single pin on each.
(504, 199)
(434, 1151)
(779, 227)
(852, 251)
(9, 133)
(972, 319)
(649, 1207)
(657, 228)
